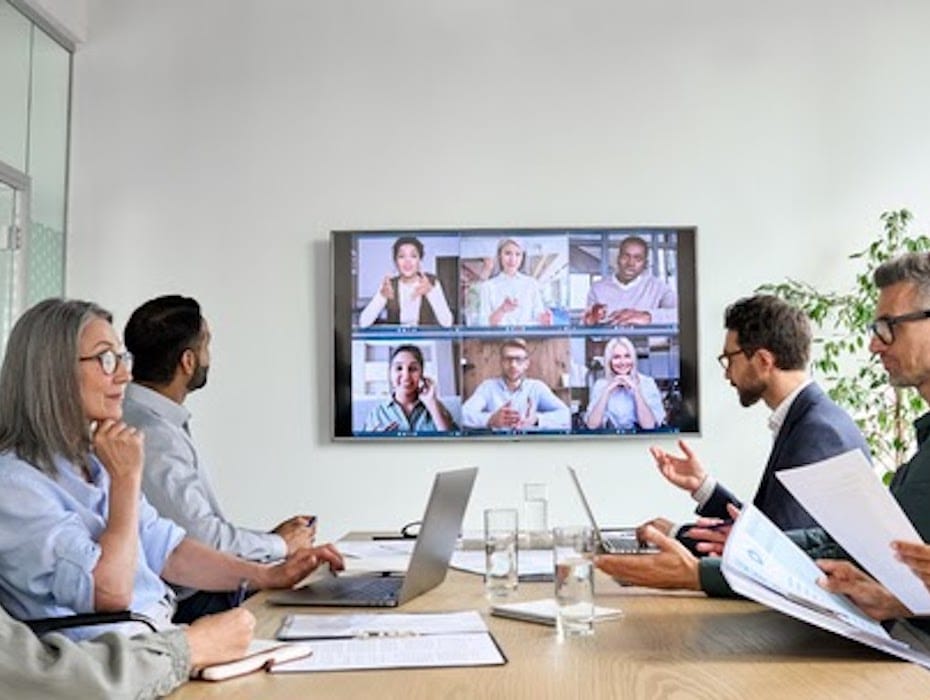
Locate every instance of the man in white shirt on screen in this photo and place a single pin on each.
(170, 343)
(514, 401)
(631, 296)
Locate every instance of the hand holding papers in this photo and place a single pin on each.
(847, 499)
(761, 563)
(342, 642)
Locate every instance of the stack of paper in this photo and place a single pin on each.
(367, 641)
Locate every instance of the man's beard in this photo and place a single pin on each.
(749, 395)
(199, 379)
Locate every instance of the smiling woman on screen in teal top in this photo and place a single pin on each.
(413, 406)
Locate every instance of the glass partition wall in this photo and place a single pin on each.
(35, 91)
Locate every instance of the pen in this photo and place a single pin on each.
(239, 597)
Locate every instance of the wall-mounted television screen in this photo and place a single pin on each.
(503, 333)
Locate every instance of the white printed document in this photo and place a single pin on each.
(845, 496)
(366, 556)
(390, 640)
(310, 626)
(761, 563)
(531, 563)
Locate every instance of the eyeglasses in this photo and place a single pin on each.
(724, 358)
(109, 360)
(883, 328)
(508, 359)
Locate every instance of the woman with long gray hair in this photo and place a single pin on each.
(76, 535)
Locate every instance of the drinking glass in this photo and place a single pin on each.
(501, 526)
(572, 556)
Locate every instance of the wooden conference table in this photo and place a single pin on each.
(665, 646)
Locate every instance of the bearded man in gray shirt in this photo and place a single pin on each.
(170, 342)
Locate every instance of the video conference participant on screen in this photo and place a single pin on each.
(631, 296)
(413, 297)
(414, 405)
(514, 401)
(624, 399)
(511, 298)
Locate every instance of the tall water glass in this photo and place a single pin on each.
(501, 526)
(572, 557)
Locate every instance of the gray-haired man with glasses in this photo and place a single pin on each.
(901, 340)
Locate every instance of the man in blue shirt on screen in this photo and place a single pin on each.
(514, 401)
(170, 342)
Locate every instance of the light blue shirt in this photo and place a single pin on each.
(383, 415)
(620, 413)
(49, 544)
(532, 394)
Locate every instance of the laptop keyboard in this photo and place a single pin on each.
(381, 588)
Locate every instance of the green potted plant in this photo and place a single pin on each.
(852, 376)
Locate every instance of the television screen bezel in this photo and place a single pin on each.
(343, 288)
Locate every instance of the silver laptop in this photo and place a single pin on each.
(429, 562)
(615, 541)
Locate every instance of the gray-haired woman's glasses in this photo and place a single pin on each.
(109, 360)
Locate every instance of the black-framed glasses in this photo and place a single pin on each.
(110, 359)
(883, 327)
(724, 358)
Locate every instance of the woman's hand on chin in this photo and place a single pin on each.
(119, 448)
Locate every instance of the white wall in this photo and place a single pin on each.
(217, 142)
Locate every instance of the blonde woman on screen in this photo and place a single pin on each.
(412, 297)
(511, 298)
(624, 399)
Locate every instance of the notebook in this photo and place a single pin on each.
(429, 562)
(615, 541)
(262, 655)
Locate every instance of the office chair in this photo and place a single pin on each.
(45, 625)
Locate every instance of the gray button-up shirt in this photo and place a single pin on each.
(177, 483)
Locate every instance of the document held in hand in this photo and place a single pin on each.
(845, 496)
(761, 563)
(262, 655)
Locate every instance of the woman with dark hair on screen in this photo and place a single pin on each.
(76, 535)
(624, 399)
(511, 298)
(413, 406)
(412, 297)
